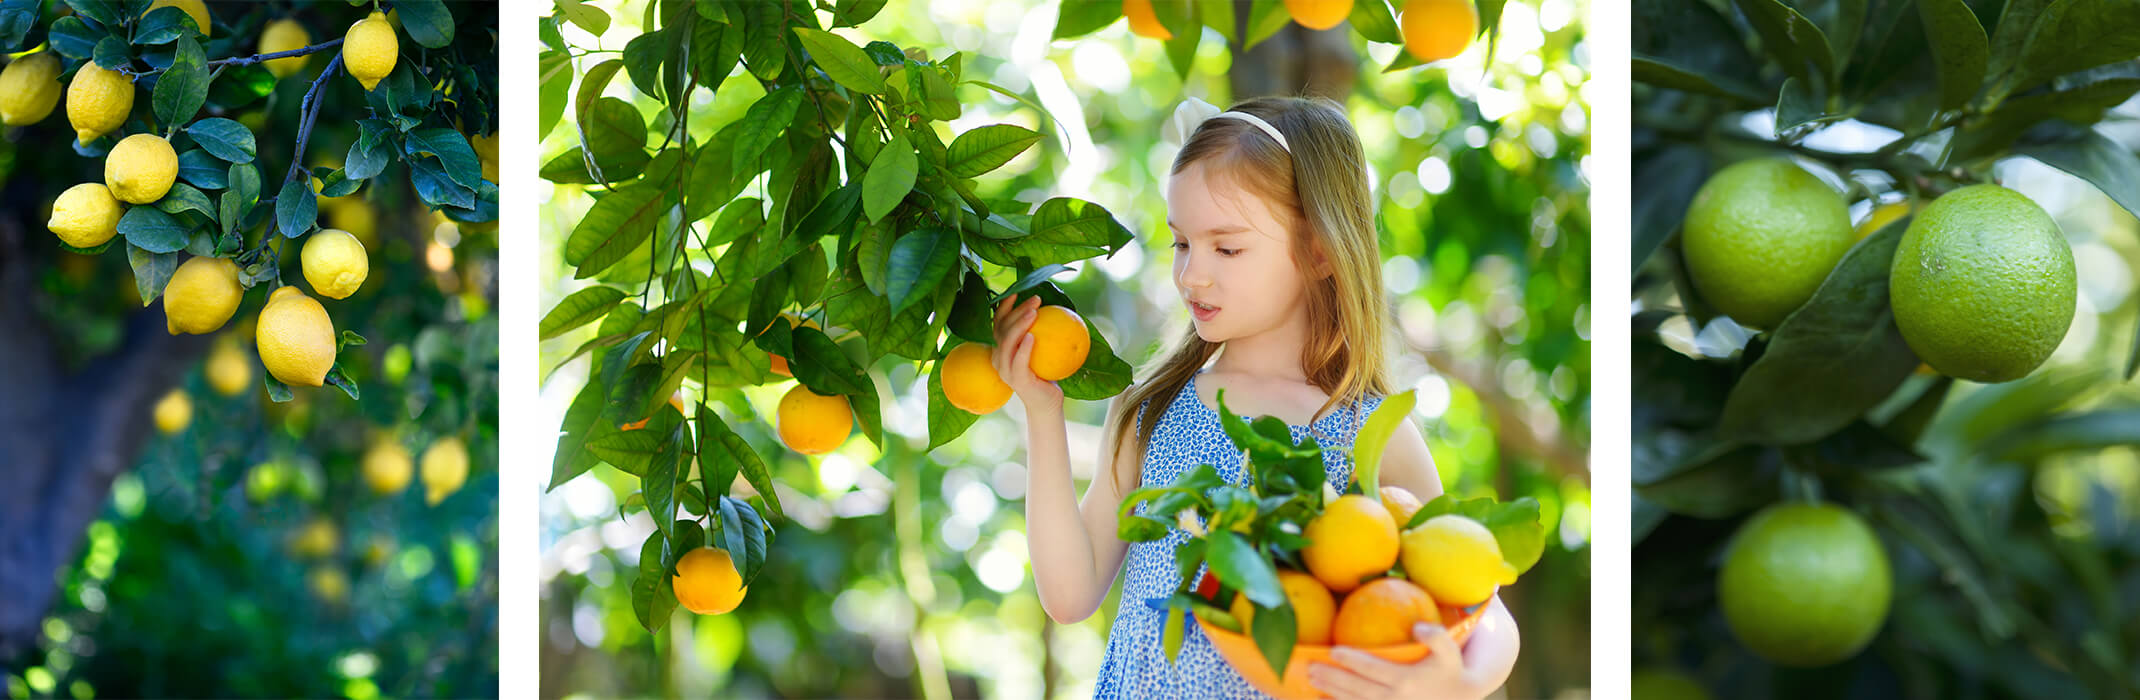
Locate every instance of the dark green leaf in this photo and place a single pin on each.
(426, 21)
(148, 228)
(151, 271)
(973, 315)
(2092, 431)
(1959, 49)
(73, 38)
(653, 595)
(583, 307)
(182, 88)
(1790, 39)
(984, 149)
(919, 261)
(1372, 19)
(160, 27)
(1076, 18)
(112, 52)
(454, 153)
(572, 457)
(183, 197)
(296, 208)
(1664, 185)
(224, 139)
(841, 61)
(760, 125)
(2095, 158)
(2075, 35)
(615, 225)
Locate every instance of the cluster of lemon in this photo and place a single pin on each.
(1433, 30)
(1347, 597)
(294, 336)
(1982, 283)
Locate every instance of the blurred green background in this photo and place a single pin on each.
(196, 575)
(901, 573)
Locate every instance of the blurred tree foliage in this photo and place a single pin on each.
(901, 572)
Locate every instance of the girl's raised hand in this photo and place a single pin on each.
(1013, 354)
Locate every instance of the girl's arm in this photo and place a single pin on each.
(1072, 544)
(1490, 652)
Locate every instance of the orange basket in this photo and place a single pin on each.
(1240, 651)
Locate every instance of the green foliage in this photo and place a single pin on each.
(2001, 552)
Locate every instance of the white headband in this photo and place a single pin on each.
(1193, 112)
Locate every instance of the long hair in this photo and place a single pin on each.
(1319, 190)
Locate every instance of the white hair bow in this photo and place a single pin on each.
(1193, 111)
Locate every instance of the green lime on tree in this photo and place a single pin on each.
(1760, 236)
(1805, 584)
(1982, 284)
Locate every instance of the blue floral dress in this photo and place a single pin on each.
(1189, 435)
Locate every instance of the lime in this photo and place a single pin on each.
(1982, 284)
(1805, 584)
(1760, 236)
(1663, 684)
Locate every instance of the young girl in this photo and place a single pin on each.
(1276, 262)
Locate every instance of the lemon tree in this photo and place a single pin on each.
(1876, 297)
(154, 217)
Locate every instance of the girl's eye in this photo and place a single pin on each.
(1178, 245)
(1229, 252)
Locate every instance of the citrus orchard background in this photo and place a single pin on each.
(899, 570)
(1884, 321)
(179, 523)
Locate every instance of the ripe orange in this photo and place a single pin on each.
(1438, 29)
(1060, 343)
(1313, 608)
(970, 382)
(1144, 21)
(676, 399)
(1382, 613)
(811, 423)
(1318, 14)
(706, 582)
(1353, 539)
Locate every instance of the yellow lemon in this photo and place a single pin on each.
(98, 101)
(228, 372)
(201, 296)
(387, 466)
(284, 35)
(85, 216)
(295, 338)
(707, 583)
(318, 538)
(486, 151)
(29, 88)
(141, 169)
(192, 8)
(174, 412)
(812, 423)
(335, 263)
(1436, 30)
(331, 585)
(351, 213)
(370, 50)
(970, 382)
(445, 468)
(1456, 559)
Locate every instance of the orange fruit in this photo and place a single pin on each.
(1382, 613)
(1318, 14)
(676, 399)
(812, 423)
(1400, 503)
(1437, 29)
(707, 583)
(1144, 21)
(1313, 608)
(970, 382)
(1060, 343)
(1353, 539)
(780, 364)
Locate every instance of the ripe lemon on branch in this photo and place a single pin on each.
(370, 50)
(29, 89)
(201, 296)
(98, 101)
(295, 338)
(85, 216)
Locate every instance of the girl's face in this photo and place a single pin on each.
(1233, 260)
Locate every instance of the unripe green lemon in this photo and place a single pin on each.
(98, 101)
(29, 88)
(201, 296)
(1805, 584)
(1760, 236)
(335, 263)
(85, 216)
(284, 35)
(370, 50)
(141, 168)
(1983, 284)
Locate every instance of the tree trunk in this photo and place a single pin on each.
(64, 435)
(1297, 61)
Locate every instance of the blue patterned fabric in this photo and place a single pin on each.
(1189, 435)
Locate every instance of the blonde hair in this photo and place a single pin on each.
(1319, 190)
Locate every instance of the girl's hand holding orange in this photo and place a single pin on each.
(1441, 675)
(1013, 354)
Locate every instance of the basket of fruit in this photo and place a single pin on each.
(1280, 570)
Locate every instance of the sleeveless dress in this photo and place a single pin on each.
(1188, 435)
